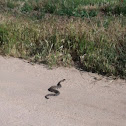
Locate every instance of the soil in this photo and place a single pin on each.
(85, 99)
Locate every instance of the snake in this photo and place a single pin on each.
(53, 89)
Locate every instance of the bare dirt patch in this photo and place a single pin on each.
(83, 100)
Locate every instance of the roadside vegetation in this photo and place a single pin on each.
(90, 34)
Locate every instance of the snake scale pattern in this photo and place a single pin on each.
(53, 89)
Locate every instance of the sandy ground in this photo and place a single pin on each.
(83, 101)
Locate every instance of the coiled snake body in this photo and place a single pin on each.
(53, 89)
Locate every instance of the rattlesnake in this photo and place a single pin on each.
(53, 89)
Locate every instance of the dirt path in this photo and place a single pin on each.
(83, 100)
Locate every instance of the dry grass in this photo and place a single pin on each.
(97, 44)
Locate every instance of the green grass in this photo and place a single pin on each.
(98, 50)
(63, 7)
(96, 42)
